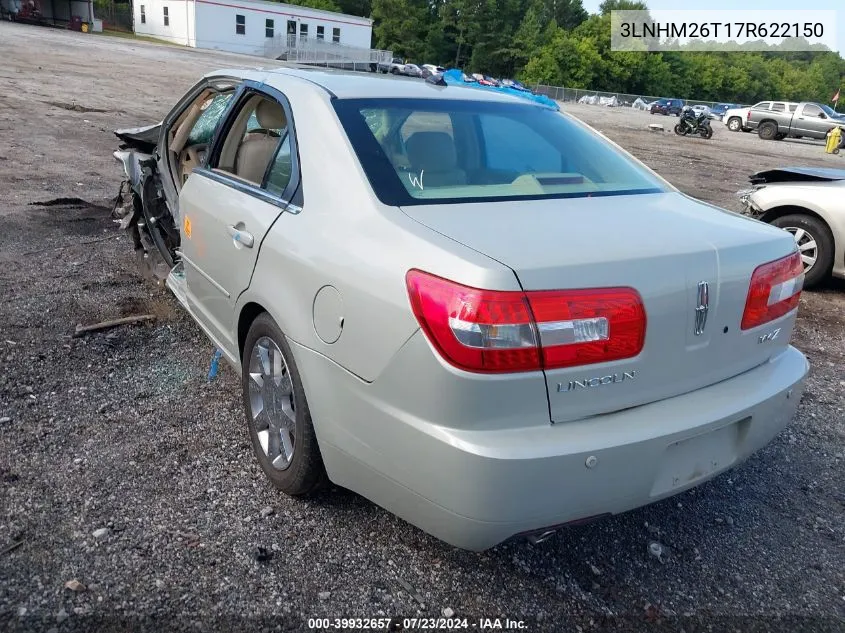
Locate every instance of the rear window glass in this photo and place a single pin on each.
(420, 151)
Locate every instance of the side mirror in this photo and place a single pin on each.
(822, 115)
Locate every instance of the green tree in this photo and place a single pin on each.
(401, 26)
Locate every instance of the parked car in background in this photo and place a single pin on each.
(798, 120)
(411, 70)
(395, 66)
(667, 107)
(717, 110)
(484, 80)
(809, 203)
(476, 387)
(700, 109)
(430, 69)
(735, 118)
(516, 85)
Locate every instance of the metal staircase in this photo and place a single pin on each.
(307, 50)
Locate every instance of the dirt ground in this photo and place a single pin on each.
(125, 469)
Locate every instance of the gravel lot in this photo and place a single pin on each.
(125, 470)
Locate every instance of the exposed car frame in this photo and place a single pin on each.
(809, 203)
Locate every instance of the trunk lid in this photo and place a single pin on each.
(663, 245)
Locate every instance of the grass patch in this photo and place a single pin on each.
(139, 38)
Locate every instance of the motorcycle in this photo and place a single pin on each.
(692, 123)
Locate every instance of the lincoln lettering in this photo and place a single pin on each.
(597, 381)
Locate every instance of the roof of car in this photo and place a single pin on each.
(353, 85)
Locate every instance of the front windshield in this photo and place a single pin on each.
(417, 151)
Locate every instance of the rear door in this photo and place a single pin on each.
(228, 206)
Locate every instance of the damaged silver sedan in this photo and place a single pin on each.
(470, 308)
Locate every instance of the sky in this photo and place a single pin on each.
(763, 5)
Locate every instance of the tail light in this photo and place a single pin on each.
(510, 331)
(775, 290)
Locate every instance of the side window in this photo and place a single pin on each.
(143, 15)
(778, 107)
(240, 24)
(512, 146)
(257, 130)
(303, 30)
(812, 110)
(336, 35)
(321, 32)
(269, 27)
(166, 17)
(793, 107)
(212, 111)
(763, 105)
(281, 169)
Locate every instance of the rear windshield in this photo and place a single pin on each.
(421, 151)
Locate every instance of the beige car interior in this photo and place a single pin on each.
(184, 159)
(247, 153)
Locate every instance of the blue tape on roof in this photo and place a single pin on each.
(454, 77)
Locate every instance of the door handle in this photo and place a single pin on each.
(241, 237)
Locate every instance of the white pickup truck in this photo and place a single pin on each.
(735, 119)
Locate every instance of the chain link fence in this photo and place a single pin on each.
(609, 99)
(116, 16)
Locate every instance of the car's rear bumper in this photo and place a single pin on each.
(475, 488)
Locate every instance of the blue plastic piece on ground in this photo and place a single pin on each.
(455, 77)
(215, 362)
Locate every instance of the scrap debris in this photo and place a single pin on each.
(215, 362)
(74, 585)
(106, 325)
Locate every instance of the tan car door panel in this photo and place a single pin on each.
(227, 224)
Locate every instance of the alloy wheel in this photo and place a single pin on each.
(806, 246)
(271, 402)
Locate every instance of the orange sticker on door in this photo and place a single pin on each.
(187, 227)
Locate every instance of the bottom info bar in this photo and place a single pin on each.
(417, 624)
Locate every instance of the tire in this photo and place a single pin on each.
(707, 132)
(767, 131)
(394, 71)
(814, 230)
(735, 124)
(297, 468)
(679, 130)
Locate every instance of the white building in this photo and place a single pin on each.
(253, 27)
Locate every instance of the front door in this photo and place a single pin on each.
(291, 33)
(228, 207)
(812, 121)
